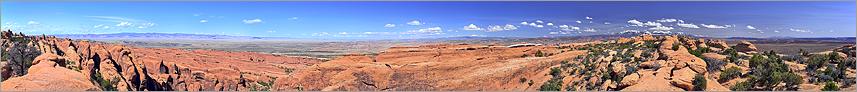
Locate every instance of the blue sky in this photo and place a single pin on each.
(402, 20)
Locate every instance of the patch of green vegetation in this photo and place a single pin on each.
(699, 82)
(289, 70)
(741, 86)
(540, 54)
(675, 46)
(769, 71)
(104, 84)
(830, 86)
(554, 84)
(729, 74)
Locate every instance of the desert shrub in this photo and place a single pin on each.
(699, 82)
(556, 71)
(523, 80)
(525, 55)
(729, 74)
(530, 83)
(675, 46)
(289, 70)
(731, 55)
(741, 86)
(554, 84)
(769, 71)
(713, 64)
(540, 54)
(106, 85)
(830, 86)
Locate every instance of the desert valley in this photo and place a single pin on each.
(640, 62)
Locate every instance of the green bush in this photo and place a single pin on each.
(729, 74)
(554, 84)
(741, 86)
(540, 54)
(699, 82)
(555, 72)
(830, 86)
(106, 85)
(675, 46)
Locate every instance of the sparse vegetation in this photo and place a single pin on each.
(554, 84)
(699, 82)
(729, 74)
(830, 86)
(106, 85)
(540, 54)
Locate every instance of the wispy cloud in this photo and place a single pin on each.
(713, 26)
(252, 21)
(113, 19)
(203, 21)
(389, 25)
(32, 23)
(750, 27)
(415, 23)
(799, 30)
(661, 28)
(431, 30)
(688, 25)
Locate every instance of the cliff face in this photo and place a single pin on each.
(83, 65)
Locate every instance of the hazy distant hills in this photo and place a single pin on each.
(165, 36)
(183, 36)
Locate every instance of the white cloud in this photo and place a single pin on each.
(799, 30)
(293, 18)
(415, 22)
(271, 31)
(113, 19)
(589, 18)
(524, 23)
(713, 26)
(540, 26)
(661, 28)
(590, 30)
(496, 28)
(252, 21)
(32, 23)
(579, 21)
(203, 21)
(635, 22)
(649, 23)
(432, 30)
(472, 27)
(123, 24)
(550, 24)
(568, 28)
(539, 21)
(607, 23)
(689, 25)
(750, 27)
(630, 31)
(553, 32)
(532, 24)
(390, 25)
(668, 20)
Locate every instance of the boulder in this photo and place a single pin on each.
(745, 46)
(47, 76)
(630, 80)
(683, 78)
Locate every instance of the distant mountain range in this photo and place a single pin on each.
(156, 36)
(183, 36)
